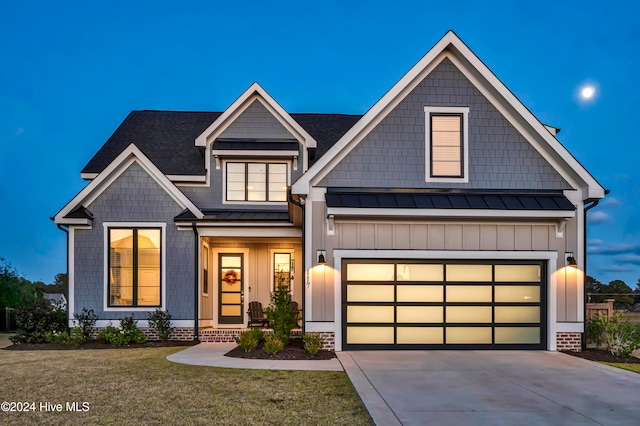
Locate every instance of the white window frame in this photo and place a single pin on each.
(464, 111)
(163, 266)
(264, 203)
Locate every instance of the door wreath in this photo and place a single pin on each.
(230, 277)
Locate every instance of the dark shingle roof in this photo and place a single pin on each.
(168, 138)
(454, 200)
(236, 216)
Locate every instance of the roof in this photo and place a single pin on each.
(237, 216)
(245, 144)
(448, 200)
(167, 138)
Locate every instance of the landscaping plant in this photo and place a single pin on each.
(615, 334)
(312, 342)
(281, 320)
(128, 332)
(273, 344)
(86, 322)
(249, 340)
(37, 318)
(160, 322)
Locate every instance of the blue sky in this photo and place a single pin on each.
(71, 71)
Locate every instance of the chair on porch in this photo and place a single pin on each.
(257, 318)
(295, 311)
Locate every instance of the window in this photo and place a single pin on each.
(260, 182)
(446, 144)
(134, 278)
(205, 270)
(283, 268)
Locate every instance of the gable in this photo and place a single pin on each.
(392, 154)
(256, 122)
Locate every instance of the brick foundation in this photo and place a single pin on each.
(569, 341)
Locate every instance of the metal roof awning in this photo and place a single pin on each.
(236, 216)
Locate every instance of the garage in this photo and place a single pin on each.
(443, 304)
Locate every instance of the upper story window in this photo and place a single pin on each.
(256, 181)
(447, 156)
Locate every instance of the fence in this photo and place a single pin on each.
(595, 309)
(8, 320)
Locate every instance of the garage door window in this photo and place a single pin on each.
(447, 304)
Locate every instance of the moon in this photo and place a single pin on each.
(588, 92)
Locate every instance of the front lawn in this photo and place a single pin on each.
(631, 367)
(139, 386)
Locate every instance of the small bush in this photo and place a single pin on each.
(249, 340)
(86, 321)
(273, 344)
(128, 332)
(313, 342)
(38, 317)
(615, 334)
(279, 313)
(160, 321)
(58, 337)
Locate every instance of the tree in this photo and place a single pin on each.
(617, 290)
(15, 291)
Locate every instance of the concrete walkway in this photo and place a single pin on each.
(491, 388)
(212, 355)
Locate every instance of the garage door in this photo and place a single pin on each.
(392, 304)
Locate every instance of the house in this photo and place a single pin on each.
(57, 298)
(447, 216)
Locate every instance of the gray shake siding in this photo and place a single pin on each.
(133, 197)
(254, 123)
(393, 154)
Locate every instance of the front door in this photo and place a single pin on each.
(231, 288)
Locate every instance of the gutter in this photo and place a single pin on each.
(304, 271)
(66, 231)
(196, 293)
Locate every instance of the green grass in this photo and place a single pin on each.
(631, 367)
(139, 386)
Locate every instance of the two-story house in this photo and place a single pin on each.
(447, 216)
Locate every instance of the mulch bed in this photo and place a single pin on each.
(603, 356)
(294, 350)
(96, 345)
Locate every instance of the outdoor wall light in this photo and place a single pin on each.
(571, 261)
(321, 258)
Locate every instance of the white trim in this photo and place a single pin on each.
(88, 176)
(464, 111)
(163, 266)
(187, 178)
(549, 256)
(116, 168)
(465, 213)
(71, 275)
(320, 327)
(569, 327)
(225, 161)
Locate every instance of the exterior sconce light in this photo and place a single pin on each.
(571, 261)
(321, 259)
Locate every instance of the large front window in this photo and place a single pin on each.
(134, 266)
(265, 182)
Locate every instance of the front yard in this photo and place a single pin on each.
(139, 386)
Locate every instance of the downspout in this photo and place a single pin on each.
(304, 272)
(66, 231)
(584, 263)
(196, 293)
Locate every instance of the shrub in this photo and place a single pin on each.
(273, 344)
(38, 317)
(249, 340)
(58, 337)
(313, 342)
(128, 332)
(279, 314)
(615, 334)
(160, 321)
(86, 321)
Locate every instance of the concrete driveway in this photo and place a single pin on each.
(492, 388)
